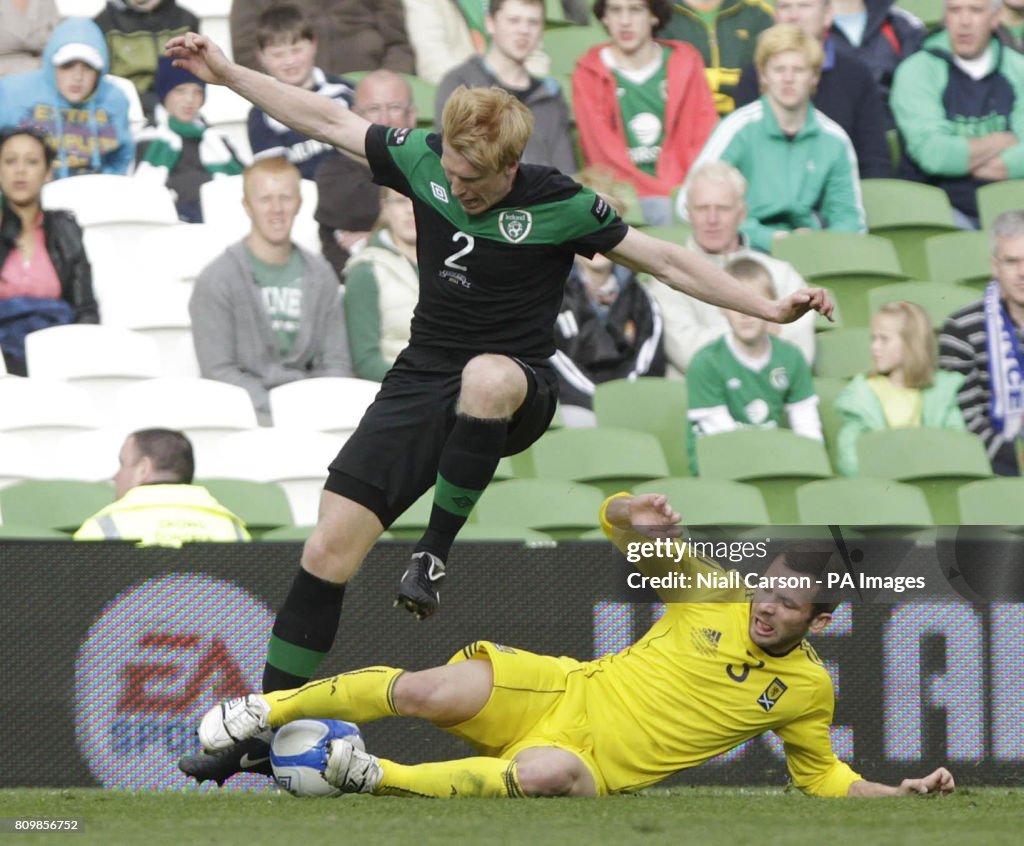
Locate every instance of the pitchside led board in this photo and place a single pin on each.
(112, 653)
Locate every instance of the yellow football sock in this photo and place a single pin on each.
(486, 777)
(358, 696)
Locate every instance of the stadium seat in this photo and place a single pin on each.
(106, 198)
(847, 263)
(775, 461)
(424, 94)
(221, 200)
(44, 411)
(18, 459)
(711, 502)
(99, 358)
(554, 15)
(998, 197)
(160, 315)
(653, 405)
(15, 531)
(204, 409)
(862, 502)
(288, 533)
(960, 257)
(610, 459)
(136, 116)
(83, 456)
(828, 388)
(262, 505)
(214, 20)
(476, 533)
(939, 299)
(561, 509)
(842, 353)
(326, 404)
(59, 504)
(906, 213)
(296, 460)
(993, 502)
(179, 253)
(929, 11)
(80, 8)
(566, 44)
(938, 461)
(409, 525)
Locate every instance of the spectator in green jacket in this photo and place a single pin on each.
(800, 166)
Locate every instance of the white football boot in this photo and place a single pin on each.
(351, 770)
(232, 721)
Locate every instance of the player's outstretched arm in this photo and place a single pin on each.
(940, 781)
(693, 274)
(305, 111)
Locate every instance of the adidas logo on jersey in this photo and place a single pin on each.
(705, 641)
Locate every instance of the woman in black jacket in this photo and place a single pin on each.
(45, 278)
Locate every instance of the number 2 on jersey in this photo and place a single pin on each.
(452, 260)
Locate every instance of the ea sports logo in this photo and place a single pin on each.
(154, 661)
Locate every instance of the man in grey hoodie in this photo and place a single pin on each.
(267, 312)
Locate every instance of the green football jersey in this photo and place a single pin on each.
(491, 282)
(642, 106)
(754, 398)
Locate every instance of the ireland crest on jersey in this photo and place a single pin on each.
(515, 225)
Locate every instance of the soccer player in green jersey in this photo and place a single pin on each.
(706, 677)
(496, 240)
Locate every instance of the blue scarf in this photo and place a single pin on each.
(1005, 367)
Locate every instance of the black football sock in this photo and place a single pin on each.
(303, 632)
(468, 461)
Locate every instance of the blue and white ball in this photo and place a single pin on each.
(299, 751)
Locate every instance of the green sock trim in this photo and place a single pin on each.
(453, 499)
(293, 659)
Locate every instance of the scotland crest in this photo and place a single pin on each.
(515, 225)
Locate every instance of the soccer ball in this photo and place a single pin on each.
(299, 751)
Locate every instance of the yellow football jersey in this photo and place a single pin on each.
(696, 686)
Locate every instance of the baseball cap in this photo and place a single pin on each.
(78, 52)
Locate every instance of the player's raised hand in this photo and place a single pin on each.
(650, 514)
(940, 781)
(797, 304)
(199, 56)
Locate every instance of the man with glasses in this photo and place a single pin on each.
(349, 202)
(983, 341)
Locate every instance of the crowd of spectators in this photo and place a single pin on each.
(748, 121)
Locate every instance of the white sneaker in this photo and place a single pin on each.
(350, 769)
(233, 720)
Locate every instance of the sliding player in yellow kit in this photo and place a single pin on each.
(709, 675)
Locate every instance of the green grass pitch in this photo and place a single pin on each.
(702, 816)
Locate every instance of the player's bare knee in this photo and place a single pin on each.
(544, 777)
(493, 386)
(323, 557)
(417, 694)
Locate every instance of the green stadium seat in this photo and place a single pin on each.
(842, 353)
(775, 461)
(566, 44)
(906, 213)
(862, 502)
(929, 11)
(828, 388)
(60, 504)
(288, 533)
(711, 502)
(610, 459)
(14, 531)
(993, 502)
(262, 505)
(409, 525)
(938, 461)
(960, 257)
(847, 263)
(675, 233)
(652, 404)
(496, 532)
(939, 299)
(998, 197)
(556, 507)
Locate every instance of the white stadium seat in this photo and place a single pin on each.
(80, 8)
(45, 410)
(204, 409)
(18, 459)
(327, 404)
(297, 460)
(180, 252)
(136, 116)
(111, 198)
